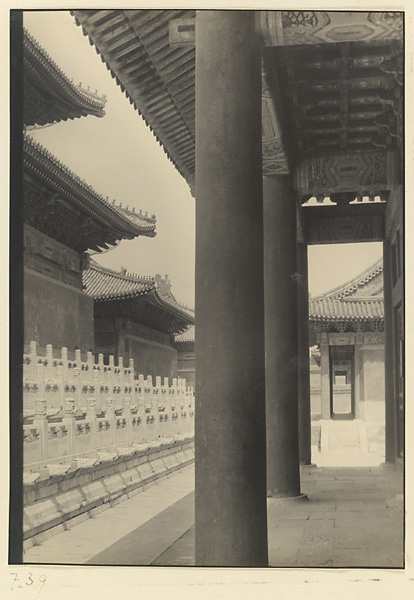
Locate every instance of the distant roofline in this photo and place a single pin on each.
(350, 286)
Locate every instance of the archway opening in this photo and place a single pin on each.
(346, 319)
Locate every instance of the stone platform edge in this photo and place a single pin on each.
(61, 496)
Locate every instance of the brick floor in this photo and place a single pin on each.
(353, 518)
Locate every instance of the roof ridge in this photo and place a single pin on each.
(349, 286)
(121, 274)
(361, 299)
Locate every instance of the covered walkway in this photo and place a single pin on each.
(353, 518)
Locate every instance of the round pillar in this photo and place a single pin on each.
(230, 476)
(281, 337)
(303, 357)
(325, 377)
(390, 402)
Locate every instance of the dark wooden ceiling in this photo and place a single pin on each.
(343, 97)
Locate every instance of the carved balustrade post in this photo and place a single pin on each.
(41, 424)
(69, 421)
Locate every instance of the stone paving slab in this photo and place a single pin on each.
(346, 523)
(353, 518)
(179, 554)
(144, 544)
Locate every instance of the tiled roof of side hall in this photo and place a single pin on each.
(105, 284)
(50, 96)
(352, 309)
(347, 302)
(43, 166)
(158, 79)
(187, 336)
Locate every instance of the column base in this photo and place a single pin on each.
(272, 501)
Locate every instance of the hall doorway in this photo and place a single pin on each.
(342, 404)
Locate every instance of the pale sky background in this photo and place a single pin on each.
(119, 156)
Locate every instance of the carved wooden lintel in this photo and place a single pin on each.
(340, 224)
(360, 173)
(294, 27)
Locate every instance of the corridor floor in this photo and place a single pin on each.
(353, 517)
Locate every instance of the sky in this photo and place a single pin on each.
(120, 158)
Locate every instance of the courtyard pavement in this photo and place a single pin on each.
(352, 517)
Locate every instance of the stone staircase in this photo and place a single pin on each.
(345, 443)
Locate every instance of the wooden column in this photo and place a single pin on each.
(303, 357)
(359, 408)
(281, 338)
(325, 378)
(230, 478)
(390, 396)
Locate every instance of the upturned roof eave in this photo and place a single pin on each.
(48, 76)
(43, 165)
(149, 293)
(180, 153)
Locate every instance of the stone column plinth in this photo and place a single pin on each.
(230, 471)
(281, 338)
(303, 357)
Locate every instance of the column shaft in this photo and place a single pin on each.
(325, 378)
(230, 496)
(303, 357)
(359, 407)
(390, 401)
(281, 339)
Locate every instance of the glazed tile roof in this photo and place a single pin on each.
(49, 95)
(348, 301)
(105, 284)
(40, 164)
(187, 336)
(330, 309)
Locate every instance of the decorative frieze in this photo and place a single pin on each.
(359, 173)
(373, 338)
(297, 27)
(394, 212)
(274, 155)
(344, 339)
(322, 227)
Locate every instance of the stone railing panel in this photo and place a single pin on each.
(75, 407)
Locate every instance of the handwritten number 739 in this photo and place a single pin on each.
(27, 581)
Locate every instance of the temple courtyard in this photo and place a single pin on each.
(352, 517)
